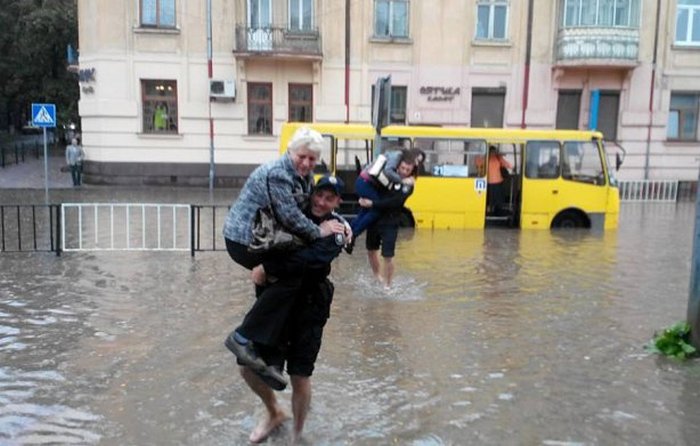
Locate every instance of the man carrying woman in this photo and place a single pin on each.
(391, 171)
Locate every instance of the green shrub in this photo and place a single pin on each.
(674, 341)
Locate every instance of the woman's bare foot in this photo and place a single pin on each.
(267, 425)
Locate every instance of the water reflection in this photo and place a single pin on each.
(489, 337)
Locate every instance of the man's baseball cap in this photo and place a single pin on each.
(330, 182)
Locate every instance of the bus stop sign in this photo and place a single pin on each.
(44, 115)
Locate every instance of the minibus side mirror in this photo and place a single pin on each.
(618, 161)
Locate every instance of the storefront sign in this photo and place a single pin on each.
(440, 94)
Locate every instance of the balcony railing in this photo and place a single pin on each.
(590, 45)
(277, 40)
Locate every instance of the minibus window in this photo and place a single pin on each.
(324, 163)
(583, 162)
(542, 159)
(452, 157)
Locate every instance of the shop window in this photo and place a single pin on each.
(487, 107)
(159, 99)
(397, 114)
(158, 13)
(608, 111)
(568, 107)
(259, 108)
(301, 103)
(391, 18)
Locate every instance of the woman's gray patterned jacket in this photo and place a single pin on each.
(289, 192)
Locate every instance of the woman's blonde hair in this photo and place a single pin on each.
(306, 138)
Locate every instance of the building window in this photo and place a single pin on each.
(397, 113)
(301, 99)
(491, 19)
(159, 99)
(605, 13)
(391, 18)
(158, 13)
(688, 22)
(487, 107)
(300, 15)
(683, 116)
(259, 108)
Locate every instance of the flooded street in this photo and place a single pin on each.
(496, 337)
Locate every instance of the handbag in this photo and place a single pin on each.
(376, 171)
(268, 233)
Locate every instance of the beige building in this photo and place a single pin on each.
(147, 97)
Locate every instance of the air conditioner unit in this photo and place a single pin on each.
(222, 89)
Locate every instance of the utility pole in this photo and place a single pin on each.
(347, 61)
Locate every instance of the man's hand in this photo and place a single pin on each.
(409, 181)
(348, 233)
(329, 227)
(258, 275)
(365, 202)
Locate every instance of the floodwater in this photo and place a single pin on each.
(495, 337)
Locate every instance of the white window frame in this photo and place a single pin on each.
(391, 19)
(692, 10)
(632, 22)
(300, 12)
(490, 28)
(157, 24)
(260, 24)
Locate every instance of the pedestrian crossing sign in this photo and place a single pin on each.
(44, 115)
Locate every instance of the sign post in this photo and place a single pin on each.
(44, 116)
(694, 294)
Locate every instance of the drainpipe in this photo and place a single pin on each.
(347, 61)
(210, 69)
(528, 55)
(651, 90)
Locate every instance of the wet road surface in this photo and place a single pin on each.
(493, 337)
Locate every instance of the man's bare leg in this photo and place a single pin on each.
(388, 270)
(275, 415)
(373, 258)
(301, 400)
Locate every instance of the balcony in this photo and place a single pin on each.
(597, 46)
(277, 41)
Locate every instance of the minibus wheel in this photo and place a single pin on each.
(571, 219)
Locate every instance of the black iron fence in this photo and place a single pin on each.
(15, 152)
(30, 228)
(206, 225)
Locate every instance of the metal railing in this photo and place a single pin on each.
(30, 228)
(649, 190)
(277, 39)
(206, 224)
(15, 153)
(126, 227)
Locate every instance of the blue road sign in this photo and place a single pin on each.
(44, 115)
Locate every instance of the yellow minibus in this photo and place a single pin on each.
(557, 178)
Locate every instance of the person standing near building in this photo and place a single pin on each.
(74, 158)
